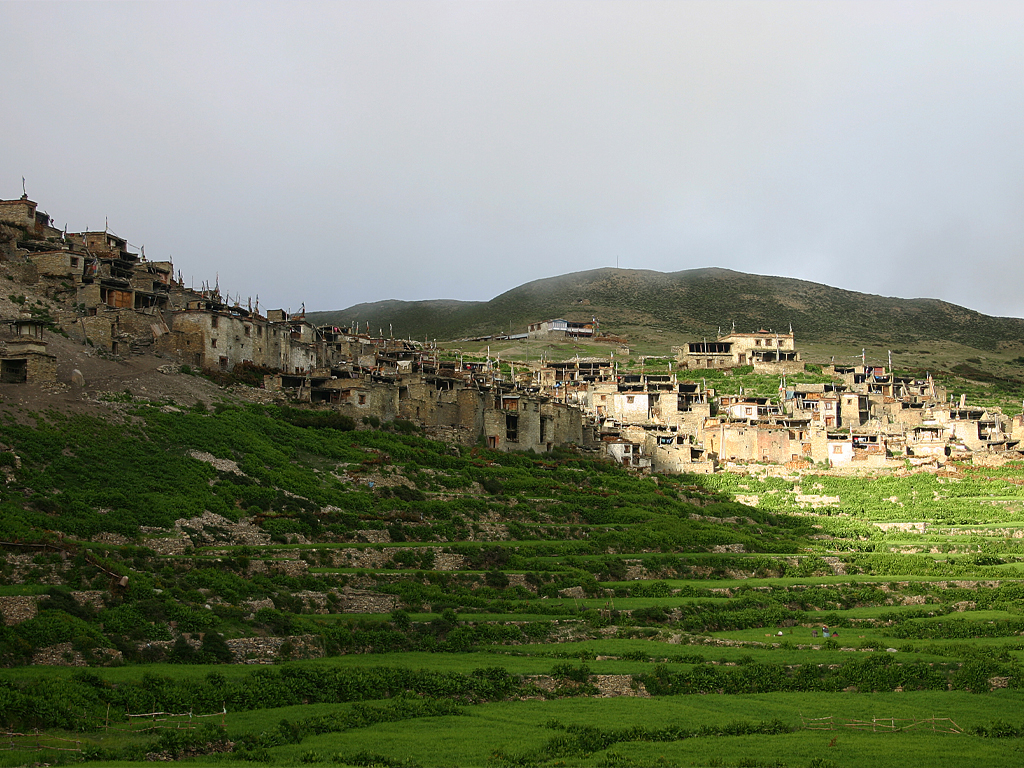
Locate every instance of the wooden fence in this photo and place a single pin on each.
(143, 722)
(37, 741)
(882, 724)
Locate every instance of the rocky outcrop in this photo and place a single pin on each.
(618, 685)
(210, 529)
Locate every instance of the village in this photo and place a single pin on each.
(100, 293)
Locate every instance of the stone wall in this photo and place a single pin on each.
(360, 601)
(64, 655)
(267, 650)
(18, 608)
(22, 565)
(210, 528)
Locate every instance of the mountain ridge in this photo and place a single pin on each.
(691, 302)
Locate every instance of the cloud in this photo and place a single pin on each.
(334, 153)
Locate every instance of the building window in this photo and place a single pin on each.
(362, 399)
(213, 343)
(74, 261)
(629, 398)
(213, 321)
(248, 330)
(14, 371)
(511, 428)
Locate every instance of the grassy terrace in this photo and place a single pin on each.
(501, 610)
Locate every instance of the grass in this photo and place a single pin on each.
(691, 612)
(519, 729)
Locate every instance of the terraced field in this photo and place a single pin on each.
(306, 594)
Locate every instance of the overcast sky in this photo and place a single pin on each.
(341, 152)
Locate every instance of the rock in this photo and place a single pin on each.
(77, 378)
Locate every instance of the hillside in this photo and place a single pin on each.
(696, 303)
(406, 590)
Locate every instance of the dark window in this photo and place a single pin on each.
(13, 371)
(511, 428)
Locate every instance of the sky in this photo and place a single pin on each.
(331, 153)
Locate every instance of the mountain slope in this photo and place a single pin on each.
(697, 302)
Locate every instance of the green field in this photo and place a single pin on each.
(477, 608)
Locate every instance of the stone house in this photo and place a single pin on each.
(741, 441)
(736, 349)
(561, 328)
(210, 335)
(628, 453)
(25, 215)
(523, 422)
(24, 359)
(675, 453)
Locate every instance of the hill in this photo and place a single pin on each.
(557, 605)
(694, 303)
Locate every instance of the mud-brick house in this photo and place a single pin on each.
(647, 399)
(626, 452)
(824, 409)
(26, 216)
(864, 449)
(748, 409)
(23, 355)
(211, 335)
(742, 441)
(840, 450)
(442, 401)
(559, 328)
(64, 264)
(854, 409)
(563, 379)
(673, 452)
(822, 404)
(114, 277)
(735, 349)
(517, 421)
(929, 439)
(979, 429)
(692, 406)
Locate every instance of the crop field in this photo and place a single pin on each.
(248, 586)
